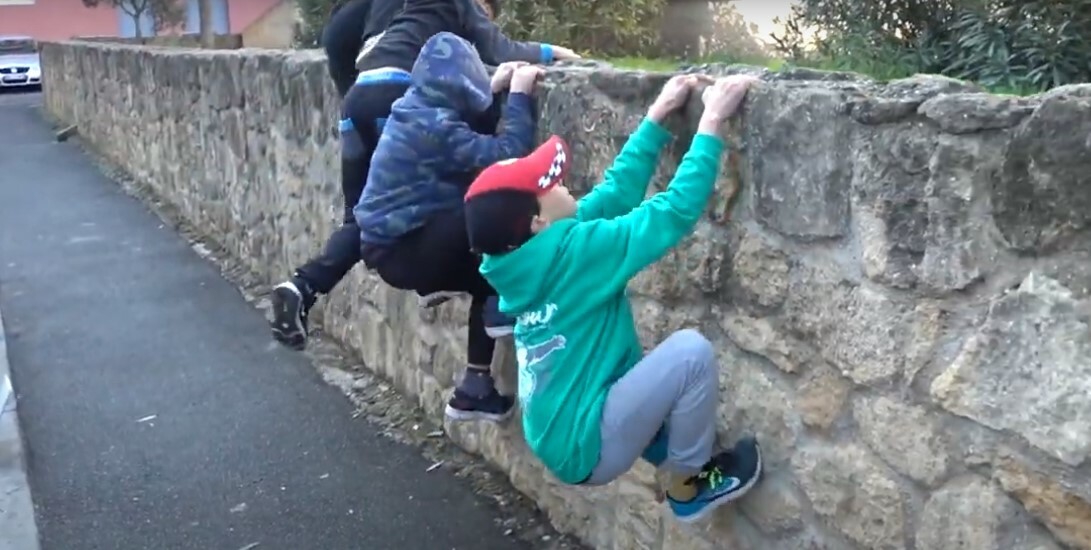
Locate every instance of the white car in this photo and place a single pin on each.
(20, 65)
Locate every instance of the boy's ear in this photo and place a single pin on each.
(488, 7)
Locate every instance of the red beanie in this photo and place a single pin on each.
(502, 200)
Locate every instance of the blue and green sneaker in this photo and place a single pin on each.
(728, 476)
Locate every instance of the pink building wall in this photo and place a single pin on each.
(57, 20)
(242, 13)
(63, 19)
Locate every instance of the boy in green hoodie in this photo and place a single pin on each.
(592, 401)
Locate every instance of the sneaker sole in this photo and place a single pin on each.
(459, 415)
(730, 497)
(436, 298)
(499, 332)
(287, 328)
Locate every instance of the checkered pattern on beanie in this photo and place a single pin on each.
(556, 168)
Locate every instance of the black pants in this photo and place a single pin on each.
(342, 39)
(435, 258)
(365, 105)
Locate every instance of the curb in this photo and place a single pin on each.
(17, 528)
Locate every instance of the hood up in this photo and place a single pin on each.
(449, 74)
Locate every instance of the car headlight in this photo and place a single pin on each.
(35, 71)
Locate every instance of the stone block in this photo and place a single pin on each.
(759, 272)
(759, 404)
(759, 336)
(972, 512)
(906, 436)
(867, 334)
(775, 506)
(975, 112)
(1040, 199)
(1028, 370)
(1066, 515)
(854, 494)
(821, 396)
(800, 187)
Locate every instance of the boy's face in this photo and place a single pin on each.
(556, 204)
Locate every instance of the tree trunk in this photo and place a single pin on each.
(208, 35)
(684, 23)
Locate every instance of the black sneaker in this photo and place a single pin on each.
(289, 315)
(728, 476)
(436, 298)
(497, 325)
(493, 407)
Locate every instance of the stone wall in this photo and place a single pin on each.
(900, 295)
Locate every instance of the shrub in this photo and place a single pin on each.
(313, 15)
(1012, 44)
(606, 27)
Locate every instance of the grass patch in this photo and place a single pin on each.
(642, 64)
(669, 65)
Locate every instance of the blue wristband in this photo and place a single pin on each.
(547, 53)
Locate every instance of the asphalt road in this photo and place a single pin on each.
(156, 411)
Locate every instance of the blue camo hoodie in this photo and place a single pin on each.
(428, 154)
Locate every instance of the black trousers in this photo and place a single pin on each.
(365, 105)
(435, 258)
(342, 39)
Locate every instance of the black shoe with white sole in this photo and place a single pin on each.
(494, 407)
(290, 315)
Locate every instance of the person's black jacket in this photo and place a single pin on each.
(349, 26)
(419, 20)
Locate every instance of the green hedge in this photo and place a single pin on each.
(1009, 45)
(608, 27)
(603, 28)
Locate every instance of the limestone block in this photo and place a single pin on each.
(1028, 370)
(890, 174)
(972, 512)
(759, 336)
(800, 187)
(916, 193)
(759, 270)
(775, 506)
(865, 333)
(975, 112)
(906, 436)
(959, 244)
(821, 396)
(759, 404)
(900, 99)
(639, 528)
(1041, 197)
(1067, 515)
(854, 493)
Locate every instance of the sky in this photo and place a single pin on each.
(762, 13)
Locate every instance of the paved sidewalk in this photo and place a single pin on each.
(157, 412)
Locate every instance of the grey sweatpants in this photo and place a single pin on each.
(663, 410)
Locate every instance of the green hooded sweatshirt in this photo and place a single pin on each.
(566, 287)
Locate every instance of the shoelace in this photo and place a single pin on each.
(713, 476)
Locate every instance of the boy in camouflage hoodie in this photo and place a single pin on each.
(410, 215)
